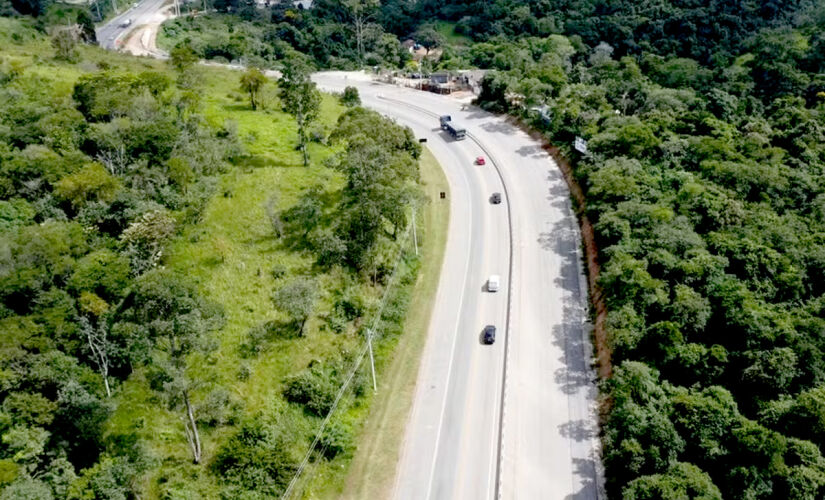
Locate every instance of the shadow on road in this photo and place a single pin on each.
(532, 151)
(499, 127)
(571, 336)
(578, 430)
(478, 115)
(585, 468)
(559, 194)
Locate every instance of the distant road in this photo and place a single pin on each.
(111, 34)
(475, 433)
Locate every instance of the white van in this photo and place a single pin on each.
(493, 283)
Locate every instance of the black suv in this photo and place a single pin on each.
(495, 199)
(489, 335)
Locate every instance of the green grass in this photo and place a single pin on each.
(447, 30)
(230, 252)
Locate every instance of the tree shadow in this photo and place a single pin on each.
(241, 106)
(578, 430)
(255, 161)
(499, 127)
(531, 151)
(570, 333)
(585, 471)
(211, 262)
(478, 114)
(558, 194)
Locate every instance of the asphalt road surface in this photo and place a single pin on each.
(111, 34)
(516, 419)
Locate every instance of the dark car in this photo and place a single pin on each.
(495, 199)
(489, 335)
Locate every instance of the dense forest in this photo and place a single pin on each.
(704, 181)
(189, 259)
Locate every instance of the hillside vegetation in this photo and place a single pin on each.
(180, 297)
(704, 182)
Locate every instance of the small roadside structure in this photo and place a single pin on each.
(408, 45)
(542, 112)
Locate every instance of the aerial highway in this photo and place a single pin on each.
(516, 419)
(110, 35)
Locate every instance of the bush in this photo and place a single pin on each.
(318, 134)
(314, 388)
(218, 408)
(259, 336)
(259, 457)
(336, 439)
(350, 97)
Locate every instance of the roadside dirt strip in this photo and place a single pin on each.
(142, 40)
(472, 434)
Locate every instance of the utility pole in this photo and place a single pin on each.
(114, 4)
(372, 360)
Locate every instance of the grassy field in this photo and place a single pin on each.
(230, 252)
(447, 30)
(373, 467)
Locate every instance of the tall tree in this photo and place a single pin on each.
(179, 324)
(252, 81)
(300, 98)
(361, 11)
(296, 299)
(97, 340)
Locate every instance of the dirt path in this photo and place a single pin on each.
(142, 41)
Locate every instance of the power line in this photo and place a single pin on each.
(366, 348)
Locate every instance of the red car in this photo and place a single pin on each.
(480, 161)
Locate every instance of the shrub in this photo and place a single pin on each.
(314, 388)
(336, 439)
(258, 457)
(350, 97)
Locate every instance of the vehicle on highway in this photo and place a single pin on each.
(495, 199)
(457, 131)
(126, 23)
(493, 283)
(489, 335)
(481, 161)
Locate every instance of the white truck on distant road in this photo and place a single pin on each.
(457, 131)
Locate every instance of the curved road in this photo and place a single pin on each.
(515, 420)
(111, 34)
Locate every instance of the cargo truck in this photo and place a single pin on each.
(457, 131)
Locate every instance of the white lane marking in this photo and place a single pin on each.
(455, 338)
(464, 178)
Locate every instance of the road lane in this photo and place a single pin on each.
(111, 34)
(549, 444)
(463, 380)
